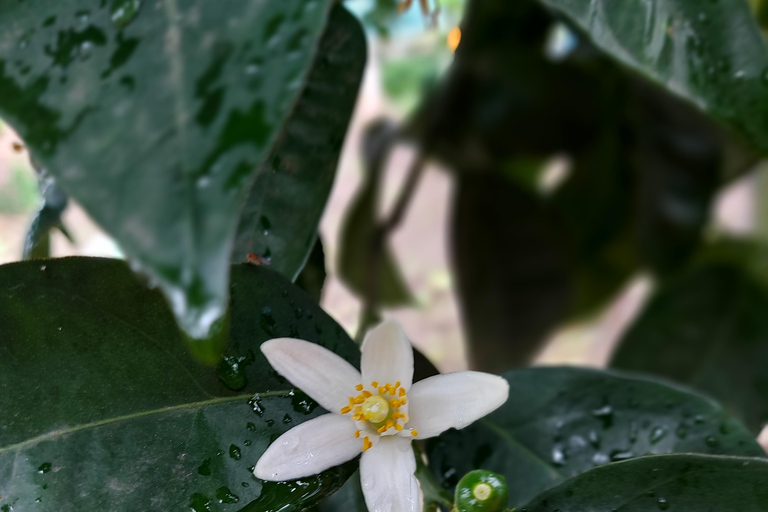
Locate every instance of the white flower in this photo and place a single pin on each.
(378, 413)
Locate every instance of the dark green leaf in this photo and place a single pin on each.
(347, 499)
(708, 329)
(711, 53)
(155, 116)
(312, 276)
(366, 266)
(280, 218)
(560, 422)
(512, 276)
(104, 409)
(683, 482)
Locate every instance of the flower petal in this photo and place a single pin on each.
(386, 475)
(309, 448)
(387, 356)
(454, 400)
(324, 376)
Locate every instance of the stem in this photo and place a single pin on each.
(369, 314)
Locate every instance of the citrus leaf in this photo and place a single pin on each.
(711, 53)
(287, 198)
(707, 329)
(104, 409)
(560, 422)
(155, 116)
(682, 482)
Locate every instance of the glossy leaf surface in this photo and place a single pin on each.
(280, 217)
(682, 482)
(710, 52)
(106, 410)
(707, 328)
(155, 116)
(560, 422)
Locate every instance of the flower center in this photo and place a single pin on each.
(375, 409)
(379, 412)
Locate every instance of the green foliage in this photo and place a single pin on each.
(707, 328)
(561, 422)
(198, 132)
(156, 122)
(19, 194)
(280, 217)
(685, 482)
(110, 411)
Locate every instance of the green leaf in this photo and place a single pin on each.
(105, 409)
(347, 499)
(512, 275)
(710, 53)
(287, 198)
(707, 328)
(154, 117)
(683, 482)
(560, 422)
(364, 266)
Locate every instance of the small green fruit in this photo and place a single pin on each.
(481, 491)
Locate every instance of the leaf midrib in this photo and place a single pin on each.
(128, 417)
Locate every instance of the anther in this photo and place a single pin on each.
(357, 433)
(374, 384)
(359, 387)
(401, 392)
(414, 432)
(346, 409)
(367, 443)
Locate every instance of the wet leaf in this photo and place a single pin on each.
(707, 329)
(280, 218)
(155, 116)
(104, 408)
(683, 482)
(561, 422)
(711, 53)
(38, 241)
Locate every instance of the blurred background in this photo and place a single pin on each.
(411, 46)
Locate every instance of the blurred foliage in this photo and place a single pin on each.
(19, 193)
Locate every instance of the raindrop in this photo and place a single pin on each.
(251, 426)
(203, 182)
(698, 419)
(247, 442)
(256, 406)
(234, 452)
(205, 468)
(663, 504)
(231, 371)
(245, 484)
(44, 468)
(199, 503)
(124, 12)
(270, 423)
(621, 455)
(657, 434)
(605, 414)
(681, 431)
(224, 495)
(558, 455)
(287, 419)
(599, 458)
(711, 441)
(267, 321)
(594, 438)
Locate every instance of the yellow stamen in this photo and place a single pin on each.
(401, 392)
(367, 443)
(345, 410)
(357, 433)
(397, 384)
(390, 424)
(359, 387)
(382, 390)
(382, 429)
(367, 394)
(374, 384)
(359, 399)
(414, 432)
(396, 415)
(398, 427)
